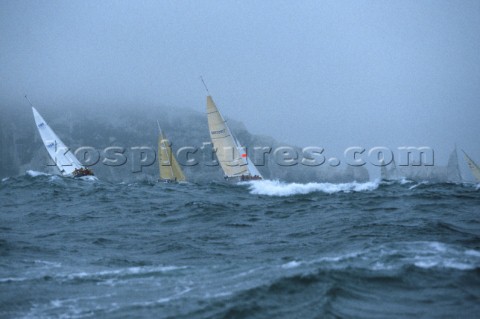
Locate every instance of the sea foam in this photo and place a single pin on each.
(32, 173)
(277, 188)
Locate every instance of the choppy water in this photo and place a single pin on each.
(74, 248)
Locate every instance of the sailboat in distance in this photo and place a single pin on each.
(170, 170)
(66, 162)
(230, 154)
(473, 166)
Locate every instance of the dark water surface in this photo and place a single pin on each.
(74, 248)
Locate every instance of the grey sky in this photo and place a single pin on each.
(320, 73)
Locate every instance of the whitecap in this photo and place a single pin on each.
(89, 178)
(54, 178)
(440, 247)
(291, 264)
(12, 279)
(122, 272)
(222, 294)
(246, 273)
(32, 173)
(277, 188)
(48, 263)
(427, 263)
(404, 181)
(397, 255)
(419, 184)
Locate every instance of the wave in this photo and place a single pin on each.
(33, 173)
(419, 184)
(54, 177)
(395, 256)
(400, 180)
(338, 284)
(277, 188)
(88, 178)
(105, 276)
(109, 277)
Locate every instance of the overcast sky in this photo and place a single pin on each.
(312, 73)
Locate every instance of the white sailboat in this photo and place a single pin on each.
(383, 171)
(453, 168)
(170, 170)
(66, 162)
(389, 172)
(473, 166)
(230, 154)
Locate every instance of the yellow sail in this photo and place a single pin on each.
(170, 170)
(232, 162)
(473, 166)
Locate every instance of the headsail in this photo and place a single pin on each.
(230, 154)
(170, 170)
(473, 166)
(251, 167)
(66, 162)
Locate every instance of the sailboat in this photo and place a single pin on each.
(473, 166)
(230, 154)
(66, 162)
(383, 171)
(453, 168)
(389, 172)
(170, 170)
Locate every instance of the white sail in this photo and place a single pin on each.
(58, 151)
(230, 155)
(383, 171)
(453, 169)
(389, 172)
(251, 167)
(473, 166)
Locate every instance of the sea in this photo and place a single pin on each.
(73, 248)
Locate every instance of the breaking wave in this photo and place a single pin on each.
(277, 188)
(395, 256)
(96, 276)
(32, 173)
(419, 254)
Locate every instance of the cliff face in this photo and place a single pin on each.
(133, 131)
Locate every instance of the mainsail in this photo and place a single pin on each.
(170, 170)
(58, 151)
(231, 156)
(473, 166)
(453, 169)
